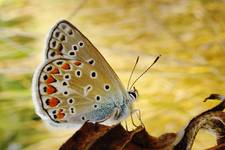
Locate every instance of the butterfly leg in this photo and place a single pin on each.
(113, 118)
(132, 120)
(139, 117)
(138, 113)
(126, 127)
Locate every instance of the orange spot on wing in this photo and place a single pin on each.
(66, 66)
(55, 71)
(60, 115)
(53, 102)
(51, 89)
(50, 79)
(77, 63)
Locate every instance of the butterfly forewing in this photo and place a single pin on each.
(67, 41)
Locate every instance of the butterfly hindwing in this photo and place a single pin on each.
(70, 91)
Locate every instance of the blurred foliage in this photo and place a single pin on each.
(190, 35)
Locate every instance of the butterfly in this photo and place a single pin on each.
(75, 83)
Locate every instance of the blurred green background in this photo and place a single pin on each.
(189, 34)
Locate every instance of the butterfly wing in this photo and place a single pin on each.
(67, 41)
(76, 83)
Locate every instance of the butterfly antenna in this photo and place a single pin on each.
(145, 71)
(132, 72)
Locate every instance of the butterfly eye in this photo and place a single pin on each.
(133, 95)
(78, 73)
(106, 87)
(93, 74)
(81, 44)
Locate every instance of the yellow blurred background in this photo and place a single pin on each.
(189, 34)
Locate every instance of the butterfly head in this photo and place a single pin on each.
(133, 93)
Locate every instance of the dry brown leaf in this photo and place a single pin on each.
(99, 137)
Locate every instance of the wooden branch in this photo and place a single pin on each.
(218, 147)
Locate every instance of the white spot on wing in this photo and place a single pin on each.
(70, 101)
(93, 74)
(51, 53)
(67, 76)
(75, 47)
(57, 33)
(106, 87)
(53, 44)
(98, 98)
(81, 44)
(65, 83)
(66, 93)
(95, 106)
(91, 61)
(66, 28)
(87, 89)
(83, 118)
(59, 62)
(48, 68)
(72, 53)
(78, 73)
(72, 110)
